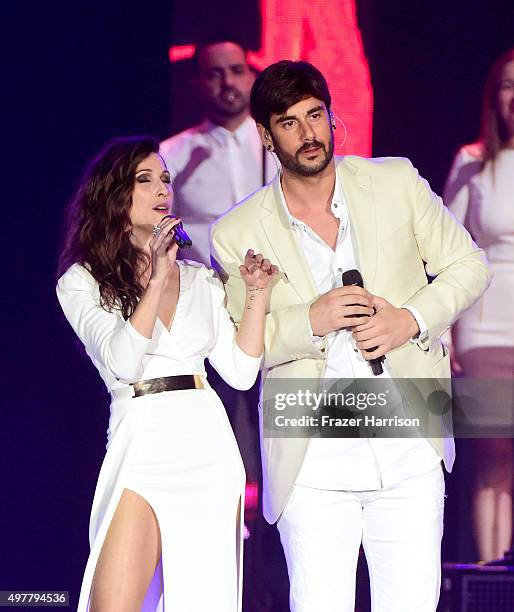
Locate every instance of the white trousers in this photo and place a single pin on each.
(400, 529)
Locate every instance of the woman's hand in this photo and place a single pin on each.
(163, 252)
(257, 271)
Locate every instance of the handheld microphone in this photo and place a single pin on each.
(180, 235)
(354, 277)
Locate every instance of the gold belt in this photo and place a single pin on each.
(168, 383)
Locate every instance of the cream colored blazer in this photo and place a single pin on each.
(399, 229)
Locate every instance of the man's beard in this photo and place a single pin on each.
(293, 163)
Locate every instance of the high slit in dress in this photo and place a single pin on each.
(176, 449)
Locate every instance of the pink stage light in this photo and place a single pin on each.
(181, 52)
(325, 33)
(251, 496)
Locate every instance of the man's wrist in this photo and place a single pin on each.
(421, 334)
(413, 328)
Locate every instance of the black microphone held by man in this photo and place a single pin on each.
(354, 277)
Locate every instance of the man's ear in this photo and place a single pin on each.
(266, 139)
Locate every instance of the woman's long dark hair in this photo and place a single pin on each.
(97, 223)
(494, 134)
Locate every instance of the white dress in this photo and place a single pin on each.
(176, 449)
(483, 200)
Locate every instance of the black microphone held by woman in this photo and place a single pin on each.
(181, 237)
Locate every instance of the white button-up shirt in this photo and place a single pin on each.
(353, 464)
(212, 169)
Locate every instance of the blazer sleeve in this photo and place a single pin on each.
(236, 367)
(460, 269)
(112, 343)
(288, 335)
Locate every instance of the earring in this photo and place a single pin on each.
(335, 120)
(269, 148)
(334, 127)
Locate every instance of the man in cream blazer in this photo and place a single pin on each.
(324, 215)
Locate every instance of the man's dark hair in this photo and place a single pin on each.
(216, 38)
(283, 84)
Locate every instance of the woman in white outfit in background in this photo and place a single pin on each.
(166, 520)
(480, 193)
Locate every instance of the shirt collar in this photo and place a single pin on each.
(221, 134)
(338, 203)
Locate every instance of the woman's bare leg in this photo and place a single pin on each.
(129, 556)
(492, 498)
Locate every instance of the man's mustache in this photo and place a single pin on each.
(309, 145)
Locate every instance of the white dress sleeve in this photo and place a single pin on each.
(466, 164)
(113, 344)
(236, 367)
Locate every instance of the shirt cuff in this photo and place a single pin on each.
(446, 338)
(318, 341)
(423, 329)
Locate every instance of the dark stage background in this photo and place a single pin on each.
(80, 72)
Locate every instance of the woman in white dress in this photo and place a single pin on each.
(480, 193)
(165, 530)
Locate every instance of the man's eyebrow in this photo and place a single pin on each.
(223, 66)
(290, 117)
(285, 118)
(315, 109)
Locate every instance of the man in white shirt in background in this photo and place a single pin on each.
(219, 162)
(213, 166)
(322, 216)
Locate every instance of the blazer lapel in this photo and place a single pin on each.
(363, 223)
(288, 256)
